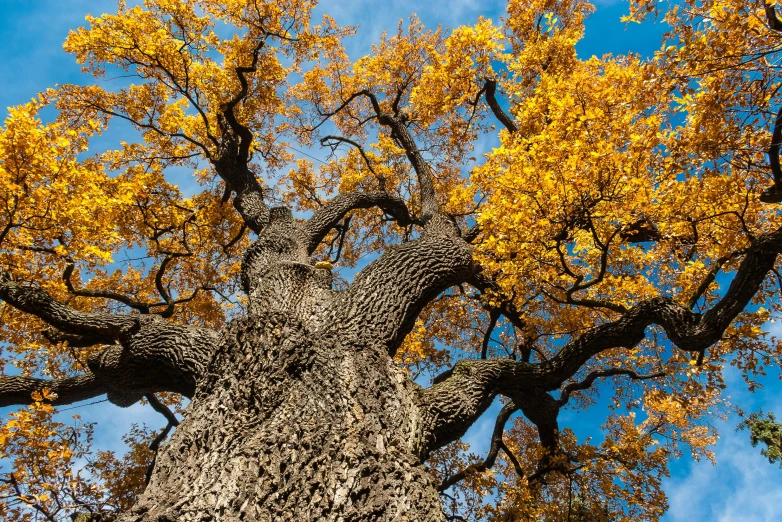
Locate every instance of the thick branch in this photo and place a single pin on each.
(18, 389)
(382, 304)
(331, 214)
(240, 130)
(106, 327)
(152, 356)
(474, 383)
(232, 163)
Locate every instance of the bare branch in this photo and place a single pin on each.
(325, 141)
(83, 292)
(491, 88)
(496, 443)
(592, 377)
(494, 314)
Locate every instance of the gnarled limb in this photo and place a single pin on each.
(152, 355)
(104, 327)
(382, 304)
(329, 215)
(232, 162)
(456, 401)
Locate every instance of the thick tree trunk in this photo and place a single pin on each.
(287, 425)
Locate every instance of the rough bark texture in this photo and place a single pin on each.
(290, 425)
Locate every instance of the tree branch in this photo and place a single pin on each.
(491, 89)
(331, 214)
(104, 327)
(155, 444)
(400, 133)
(152, 356)
(773, 194)
(599, 374)
(339, 139)
(83, 292)
(496, 443)
(771, 17)
(455, 402)
(19, 389)
(386, 297)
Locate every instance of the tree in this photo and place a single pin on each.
(624, 232)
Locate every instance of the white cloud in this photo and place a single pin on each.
(742, 486)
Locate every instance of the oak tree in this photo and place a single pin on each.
(621, 238)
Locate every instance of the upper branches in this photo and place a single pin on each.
(329, 215)
(397, 122)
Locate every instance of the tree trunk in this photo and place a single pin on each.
(287, 425)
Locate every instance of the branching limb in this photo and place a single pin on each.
(331, 214)
(475, 382)
(710, 277)
(244, 133)
(152, 355)
(381, 306)
(396, 122)
(232, 163)
(494, 315)
(332, 141)
(105, 327)
(599, 374)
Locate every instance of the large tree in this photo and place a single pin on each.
(622, 237)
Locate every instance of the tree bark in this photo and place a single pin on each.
(291, 425)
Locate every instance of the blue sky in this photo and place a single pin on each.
(742, 486)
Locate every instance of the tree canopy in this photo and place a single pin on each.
(623, 233)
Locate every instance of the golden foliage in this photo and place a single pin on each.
(627, 178)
